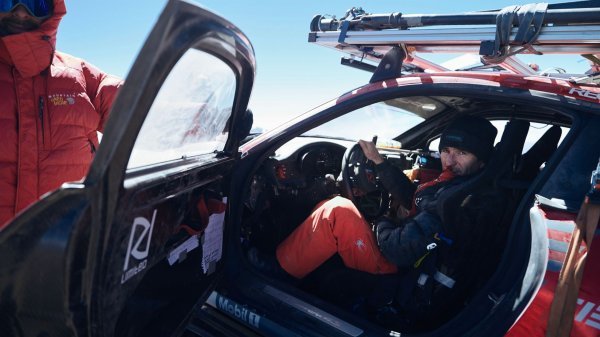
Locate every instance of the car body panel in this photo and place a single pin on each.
(560, 224)
(540, 83)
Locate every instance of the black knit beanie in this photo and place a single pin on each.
(470, 133)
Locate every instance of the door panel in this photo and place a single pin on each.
(166, 251)
(37, 258)
(129, 251)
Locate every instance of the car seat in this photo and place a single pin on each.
(538, 154)
(528, 165)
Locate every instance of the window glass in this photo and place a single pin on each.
(381, 119)
(189, 115)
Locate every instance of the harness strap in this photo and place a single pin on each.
(562, 311)
(440, 277)
(444, 279)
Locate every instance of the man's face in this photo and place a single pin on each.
(460, 162)
(18, 21)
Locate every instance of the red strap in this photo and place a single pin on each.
(446, 175)
(205, 209)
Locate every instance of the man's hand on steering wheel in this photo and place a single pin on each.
(370, 151)
(359, 182)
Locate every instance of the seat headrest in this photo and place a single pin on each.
(539, 153)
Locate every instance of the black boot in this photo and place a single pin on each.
(269, 266)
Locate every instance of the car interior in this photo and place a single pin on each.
(307, 169)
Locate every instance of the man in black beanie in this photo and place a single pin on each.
(471, 134)
(442, 254)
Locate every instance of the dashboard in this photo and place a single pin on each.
(304, 161)
(291, 181)
(308, 164)
(305, 170)
(301, 173)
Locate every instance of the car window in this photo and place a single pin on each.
(536, 130)
(190, 112)
(388, 120)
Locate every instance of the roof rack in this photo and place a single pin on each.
(497, 36)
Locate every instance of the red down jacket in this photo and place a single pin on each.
(51, 105)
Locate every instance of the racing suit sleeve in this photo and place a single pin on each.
(405, 244)
(396, 182)
(478, 234)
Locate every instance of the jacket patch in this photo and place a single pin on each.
(61, 99)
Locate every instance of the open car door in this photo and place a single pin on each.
(131, 249)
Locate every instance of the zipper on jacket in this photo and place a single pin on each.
(41, 115)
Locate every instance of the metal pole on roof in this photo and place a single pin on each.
(398, 20)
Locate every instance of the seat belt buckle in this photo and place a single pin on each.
(594, 193)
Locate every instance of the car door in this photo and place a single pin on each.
(134, 246)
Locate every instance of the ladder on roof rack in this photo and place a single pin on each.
(495, 35)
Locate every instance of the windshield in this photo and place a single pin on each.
(381, 119)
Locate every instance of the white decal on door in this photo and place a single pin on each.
(141, 232)
(212, 242)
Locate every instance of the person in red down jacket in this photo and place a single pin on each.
(51, 106)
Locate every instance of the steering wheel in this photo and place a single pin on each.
(359, 183)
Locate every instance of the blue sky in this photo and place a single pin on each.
(293, 76)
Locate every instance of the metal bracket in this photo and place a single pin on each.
(343, 31)
(390, 66)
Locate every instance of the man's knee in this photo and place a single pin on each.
(339, 204)
(343, 217)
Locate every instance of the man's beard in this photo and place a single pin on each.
(9, 25)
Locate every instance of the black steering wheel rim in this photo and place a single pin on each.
(359, 183)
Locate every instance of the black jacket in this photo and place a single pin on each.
(456, 254)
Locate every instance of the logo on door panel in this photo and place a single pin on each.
(138, 247)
